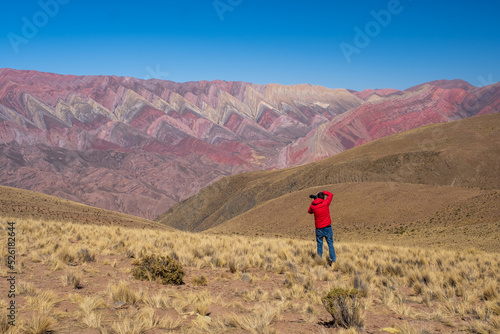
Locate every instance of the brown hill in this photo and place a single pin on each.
(20, 203)
(461, 154)
(374, 212)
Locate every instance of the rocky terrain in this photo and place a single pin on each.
(140, 146)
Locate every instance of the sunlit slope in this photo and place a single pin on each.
(464, 153)
(401, 214)
(20, 203)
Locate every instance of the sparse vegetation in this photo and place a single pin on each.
(278, 283)
(24, 204)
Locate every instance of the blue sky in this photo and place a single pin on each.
(337, 44)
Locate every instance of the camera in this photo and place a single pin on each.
(313, 196)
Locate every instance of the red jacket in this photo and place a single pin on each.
(321, 210)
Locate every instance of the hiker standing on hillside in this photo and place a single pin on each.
(320, 207)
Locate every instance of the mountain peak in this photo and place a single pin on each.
(446, 84)
(140, 146)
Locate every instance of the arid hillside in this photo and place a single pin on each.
(79, 279)
(420, 177)
(140, 146)
(25, 204)
(372, 212)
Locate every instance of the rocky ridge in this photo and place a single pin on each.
(140, 146)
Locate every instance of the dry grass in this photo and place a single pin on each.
(39, 324)
(199, 280)
(136, 323)
(91, 310)
(72, 280)
(25, 204)
(260, 320)
(277, 283)
(122, 292)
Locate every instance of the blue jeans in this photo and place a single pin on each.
(328, 234)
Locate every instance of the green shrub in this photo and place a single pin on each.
(344, 307)
(162, 268)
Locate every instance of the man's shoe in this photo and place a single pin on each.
(335, 267)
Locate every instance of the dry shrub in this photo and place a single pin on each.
(26, 289)
(83, 255)
(259, 321)
(490, 292)
(169, 324)
(72, 280)
(199, 280)
(257, 294)
(232, 266)
(93, 319)
(344, 307)
(291, 280)
(202, 307)
(43, 302)
(361, 286)
(207, 325)
(4, 322)
(90, 309)
(494, 322)
(130, 326)
(417, 289)
(65, 255)
(163, 268)
(309, 285)
(39, 324)
(123, 293)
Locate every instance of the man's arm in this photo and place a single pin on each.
(329, 198)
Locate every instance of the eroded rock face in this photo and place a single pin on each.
(387, 112)
(139, 146)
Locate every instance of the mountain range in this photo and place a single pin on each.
(140, 146)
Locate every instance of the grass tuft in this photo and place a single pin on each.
(344, 307)
(83, 255)
(199, 280)
(123, 293)
(39, 324)
(72, 280)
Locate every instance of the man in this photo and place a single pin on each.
(320, 207)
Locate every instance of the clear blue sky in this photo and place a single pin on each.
(286, 42)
